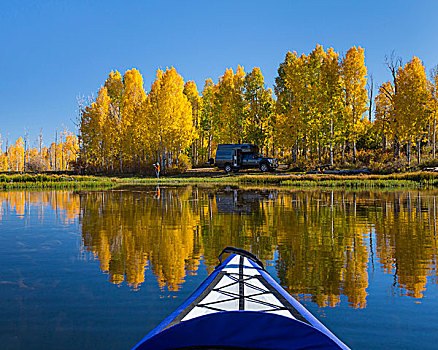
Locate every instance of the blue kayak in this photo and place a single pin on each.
(240, 306)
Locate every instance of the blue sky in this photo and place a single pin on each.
(54, 51)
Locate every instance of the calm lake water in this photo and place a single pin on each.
(98, 270)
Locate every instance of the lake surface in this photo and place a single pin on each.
(99, 269)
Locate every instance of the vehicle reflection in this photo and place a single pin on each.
(239, 201)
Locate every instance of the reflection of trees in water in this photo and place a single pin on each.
(127, 230)
(32, 203)
(229, 225)
(406, 240)
(326, 255)
(326, 241)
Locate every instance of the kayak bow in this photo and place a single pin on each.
(240, 306)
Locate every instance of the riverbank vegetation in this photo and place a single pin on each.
(405, 180)
(323, 110)
(412, 180)
(22, 181)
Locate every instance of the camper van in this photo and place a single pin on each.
(233, 157)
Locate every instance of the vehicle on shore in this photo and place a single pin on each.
(233, 157)
(240, 306)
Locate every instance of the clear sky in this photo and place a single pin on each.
(51, 52)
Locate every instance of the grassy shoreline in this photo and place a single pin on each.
(402, 180)
(44, 181)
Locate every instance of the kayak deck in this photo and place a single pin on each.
(240, 306)
(239, 286)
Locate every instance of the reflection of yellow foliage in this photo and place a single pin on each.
(414, 286)
(104, 254)
(321, 242)
(17, 201)
(117, 278)
(65, 203)
(356, 274)
(176, 238)
(323, 246)
(135, 263)
(151, 230)
(406, 238)
(328, 300)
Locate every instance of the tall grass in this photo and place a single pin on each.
(356, 184)
(180, 180)
(411, 180)
(406, 180)
(19, 181)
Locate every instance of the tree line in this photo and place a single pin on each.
(20, 156)
(320, 111)
(322, 114)
(126, 128)
(325, 102)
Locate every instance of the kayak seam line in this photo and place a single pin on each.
(241, 285)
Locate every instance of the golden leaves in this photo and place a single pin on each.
(124, 125)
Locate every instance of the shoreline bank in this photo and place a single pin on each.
(401, 180)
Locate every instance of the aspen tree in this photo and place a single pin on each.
(223, 117)
(283, 104)
(290, 125)
(314, 92)
(3, 158)
(170, 116)
(384, 112)
(132, 115)
(229, 107)
(26, 149)
(238, 102)
(191, 91)
(55, 148)
(332, 103)
(206, 115)
(156, 123)
(354, 74)
(258, 109)
(393, 63)
(114, 85)
(181, 130)
(411, 101)
(102, 106)
(88, 135)
(433, 105)
(70, 148)
(3, 162)
(93, 135)
(16, 155)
